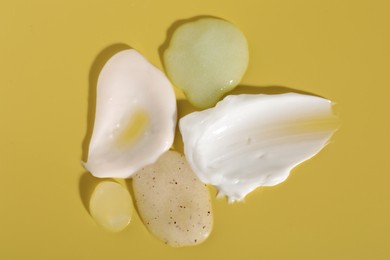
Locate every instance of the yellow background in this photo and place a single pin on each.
(335, 206)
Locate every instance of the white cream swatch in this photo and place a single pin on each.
(247, 141)
(135, 117)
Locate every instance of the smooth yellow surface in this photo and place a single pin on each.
(335, 206)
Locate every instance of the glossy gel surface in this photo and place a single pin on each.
(206, 58)
(111, 206)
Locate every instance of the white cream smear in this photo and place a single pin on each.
(135, 117)
(247, 141)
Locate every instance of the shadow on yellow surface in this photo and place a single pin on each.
(269, 90)
(87, 185)
(183, 108)
(129, 185)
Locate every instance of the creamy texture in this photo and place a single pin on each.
(248, 141)
(135, 116)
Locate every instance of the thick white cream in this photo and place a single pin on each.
(135, 117)
(248, 141)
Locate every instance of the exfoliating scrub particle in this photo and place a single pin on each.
(206, 58)
(174, 205)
